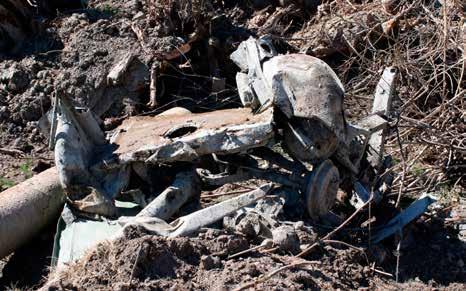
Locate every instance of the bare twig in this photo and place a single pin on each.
(333, 232)
(398, 254)
(13, 152)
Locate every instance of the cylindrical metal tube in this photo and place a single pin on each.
(185, 186)
(28, 207)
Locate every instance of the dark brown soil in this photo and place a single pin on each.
(145, 262)
(202, 264)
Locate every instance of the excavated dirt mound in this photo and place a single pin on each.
(146, 262)
(149, 262)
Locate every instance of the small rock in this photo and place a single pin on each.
(210, 262)
(250, 225)
(286, 238)
(16, 79)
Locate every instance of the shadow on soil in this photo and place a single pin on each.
(27, 267)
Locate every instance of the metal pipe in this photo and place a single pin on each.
(27, 207)
(185, 186)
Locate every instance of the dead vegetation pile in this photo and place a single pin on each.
(424, 42)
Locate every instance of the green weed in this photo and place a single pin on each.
(25, 168)
(107, 9)
(5, 183)
(418, 170)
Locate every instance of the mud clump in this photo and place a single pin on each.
(286, 239)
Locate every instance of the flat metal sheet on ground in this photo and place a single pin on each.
(187, 136)
(74, 239)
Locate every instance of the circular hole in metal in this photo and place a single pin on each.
(180, 131)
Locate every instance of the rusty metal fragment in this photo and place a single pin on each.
(164, 139)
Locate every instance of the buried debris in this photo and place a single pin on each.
(396, 224)
(189, 224)
(225, 144)
(294, 101)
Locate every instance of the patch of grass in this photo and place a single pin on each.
(5, 183)
(25, 168)
(108, 9)
(418, 169)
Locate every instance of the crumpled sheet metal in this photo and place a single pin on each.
(382, 104)
(79, 143)
(76, 138)
(300, 85)
(186, 137)
(75, 236)
(249, 57)
(396, 224)
(306, 87)
(191, 223)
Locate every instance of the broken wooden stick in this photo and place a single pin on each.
(333, 232)
(153, 87)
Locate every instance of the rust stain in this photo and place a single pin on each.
(140, 131)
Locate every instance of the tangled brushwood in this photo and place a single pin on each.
(424, 41)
